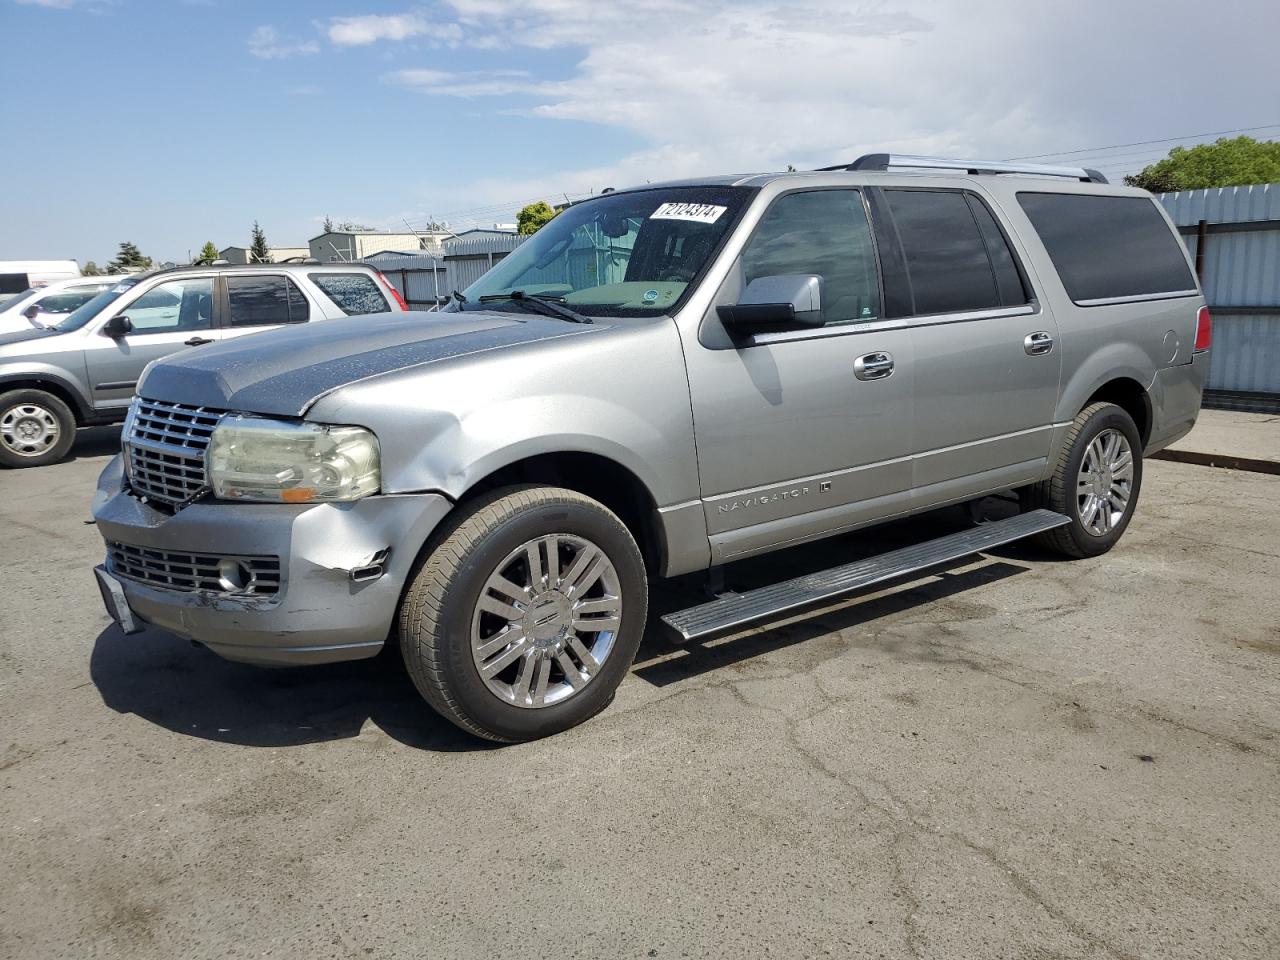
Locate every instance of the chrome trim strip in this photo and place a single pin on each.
(1137, 298)
(897, 323)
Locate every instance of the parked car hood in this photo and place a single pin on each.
(22, 336)
(283, 372)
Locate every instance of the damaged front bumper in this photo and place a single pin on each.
(341, 569)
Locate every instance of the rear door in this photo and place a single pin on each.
(255, 302)
(986, 353)
(167, 317)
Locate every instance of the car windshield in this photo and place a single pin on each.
(18, 300)
(631, 254)
(81, 315)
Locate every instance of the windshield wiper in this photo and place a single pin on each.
(545, 303)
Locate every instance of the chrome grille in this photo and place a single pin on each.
(165, 444)
(191, 572)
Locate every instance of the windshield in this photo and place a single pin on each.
(629, 254)
(81, 315)
(17, 301)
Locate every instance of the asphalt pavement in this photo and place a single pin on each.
(1018, 757)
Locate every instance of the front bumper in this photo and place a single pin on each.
(319, 614)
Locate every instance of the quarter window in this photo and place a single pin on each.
(1108, 247)
(957, 259)
(822, 232)
(354, 293)
(258, 301)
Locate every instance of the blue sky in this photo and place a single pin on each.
(169, 123)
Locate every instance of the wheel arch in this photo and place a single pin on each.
(1130, 396)
(593, 475)
(60, 388)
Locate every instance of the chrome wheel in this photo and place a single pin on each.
(1105, 483)
(29, 430)
(546, 621)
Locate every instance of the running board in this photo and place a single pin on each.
(738, 609)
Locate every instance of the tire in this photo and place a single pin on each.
(1068, 491)
(453, 621)
(36, 428)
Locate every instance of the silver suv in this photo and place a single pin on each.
(81, 368)
(661, 381)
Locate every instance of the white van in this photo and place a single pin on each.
(19, 276)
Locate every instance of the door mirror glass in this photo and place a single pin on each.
(32, 311)
(118, 327)
(784, 300)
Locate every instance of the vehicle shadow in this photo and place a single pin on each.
(187, 689)
(184, 688)
(94, 442)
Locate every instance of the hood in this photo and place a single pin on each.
(283, 372)
(22, 336)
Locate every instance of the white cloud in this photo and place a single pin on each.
(93, 6)
(363, 30)
(267, 43)
(480, 83)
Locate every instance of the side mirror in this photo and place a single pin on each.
(117, 327)
(32, 311)
(784, 300)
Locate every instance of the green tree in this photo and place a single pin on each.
(91, 269)
(533, 218)
(129, 260)
(208, 253)
(328, 225)
(258, 252)
(1226, 163)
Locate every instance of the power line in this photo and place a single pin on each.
(1143, 143)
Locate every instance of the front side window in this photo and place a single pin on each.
(173, 306)
(953, 264)
(354, 294)
(1107, 247)
(632, 254)
(823, 233)
(265, 300)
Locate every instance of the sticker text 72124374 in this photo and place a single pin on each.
(698, 212)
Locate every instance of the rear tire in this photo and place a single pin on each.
(1096, 483)
(36, 428)
(526, 615)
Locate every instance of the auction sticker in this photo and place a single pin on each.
(698, 212)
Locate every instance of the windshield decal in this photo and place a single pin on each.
(698, 212)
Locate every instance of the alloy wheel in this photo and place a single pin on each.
(1104, 485)
(29, 430)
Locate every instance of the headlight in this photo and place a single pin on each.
(251, 458)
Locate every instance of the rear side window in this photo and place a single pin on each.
(354, 293)
(957, 259)
(263, 300)
(13, 283)
(822, 232)
(1106, 248)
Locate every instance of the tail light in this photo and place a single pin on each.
(1204, 329)
(392, 290)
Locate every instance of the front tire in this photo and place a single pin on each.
(1096, 482)
(526, 615)
(36, 428)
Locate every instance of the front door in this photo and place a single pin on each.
(986, 357)
(170, 316)
(796, 438)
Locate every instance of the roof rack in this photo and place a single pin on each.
(883, 161)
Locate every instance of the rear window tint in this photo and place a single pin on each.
(264, 300)
(947, 258)
(1108, 247)
(354, 293)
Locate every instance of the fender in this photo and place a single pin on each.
(72, 389)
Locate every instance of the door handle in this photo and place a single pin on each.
(197, 342)
(873, 366)
(1037, 344)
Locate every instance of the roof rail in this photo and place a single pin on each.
(883, 161)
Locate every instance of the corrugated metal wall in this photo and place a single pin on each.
(1241, 279)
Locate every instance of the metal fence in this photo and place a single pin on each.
(1234, 235)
